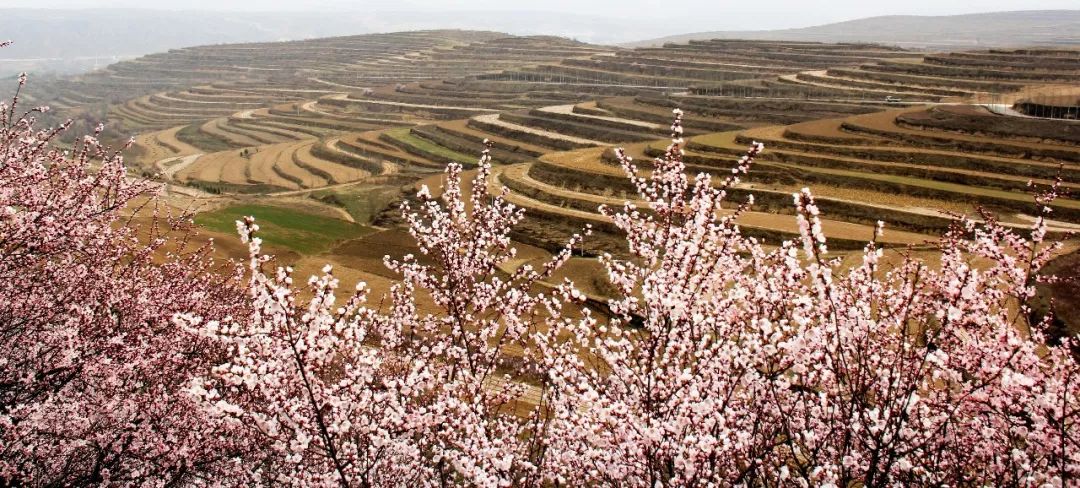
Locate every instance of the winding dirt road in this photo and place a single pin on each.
(170, 166)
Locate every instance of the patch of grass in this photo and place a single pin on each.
(718, 139)
(404, 136)
(364, 203)
(302, 232)
(220, 187)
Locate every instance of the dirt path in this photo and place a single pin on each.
(1007, 110)
(415, 105)
(495, 120)
(309, 106)
(569, 110)
(178, 163)
(336, 84)
(188, 191)
(166, 96)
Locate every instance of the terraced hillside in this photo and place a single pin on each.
(880, 133)
(725, 85)
(912, 168)
(992, 75)
(771, 69)
(626, 96)
(917, 162)
(737, 65)
(290, 128)
(184, 85)
(591, 98)
(909, 164)
(515, 93)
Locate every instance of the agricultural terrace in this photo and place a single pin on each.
(354, 123)
(200, 82)
(870, 154)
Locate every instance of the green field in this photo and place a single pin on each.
(405, 137)
(302, 232)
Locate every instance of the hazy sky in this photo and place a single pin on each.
(705, 14)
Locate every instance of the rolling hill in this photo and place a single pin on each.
(56, 40)
(1019, 28)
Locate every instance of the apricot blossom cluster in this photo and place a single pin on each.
(128, 359)
(722, 362)
(91, 366)
(346, 394)
(730, 364)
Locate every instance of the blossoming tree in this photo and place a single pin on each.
(128, 359)
(343, 393)
(91, 367)
(764, 367)
(722, 363)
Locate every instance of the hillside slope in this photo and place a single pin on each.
(67, 41)
(1019, 28)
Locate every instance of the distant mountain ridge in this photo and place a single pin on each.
(996, 29)
(69, 41)
(77, 40)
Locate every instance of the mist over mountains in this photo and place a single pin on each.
(1019, 28)
(66, 41)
